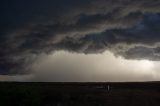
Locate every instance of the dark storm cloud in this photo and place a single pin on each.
(129, 28)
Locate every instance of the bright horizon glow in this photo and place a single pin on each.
(95, 67)
(63, 66)
(145, 64)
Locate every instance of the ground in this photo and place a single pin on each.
(79, 94)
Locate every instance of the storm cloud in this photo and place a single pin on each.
(28, 29)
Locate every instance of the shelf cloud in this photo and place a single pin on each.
(29, 29)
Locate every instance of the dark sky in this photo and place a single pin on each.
(33, 30)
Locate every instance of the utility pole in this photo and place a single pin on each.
(108, 88)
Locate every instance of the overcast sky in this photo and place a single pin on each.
(80, 40)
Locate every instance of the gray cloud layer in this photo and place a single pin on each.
(129, 28)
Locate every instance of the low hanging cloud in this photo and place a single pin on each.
(128, 28)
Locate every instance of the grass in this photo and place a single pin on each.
(79, 94)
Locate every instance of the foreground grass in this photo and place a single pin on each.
(79, 94)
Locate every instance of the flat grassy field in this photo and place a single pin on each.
(79, 94)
